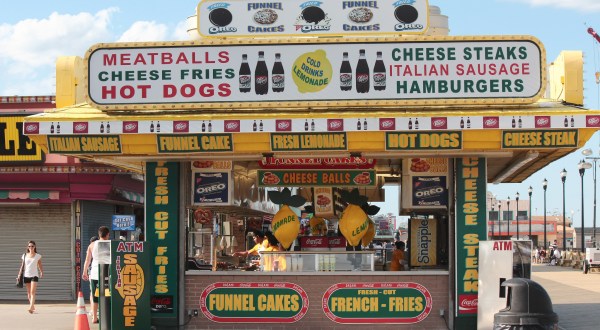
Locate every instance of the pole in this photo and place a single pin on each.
(594, 228)
(499, 218)
(581, 173)
(508, 220)
(545, 185)
(517, 215)
(563, 178)
(530, 193)
(492, 220)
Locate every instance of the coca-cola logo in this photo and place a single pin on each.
(592, 121)
(261, 80)
(491, 122)
(32, 128)
(245, 80)
(80, 127)
(439, 123)
(277, 79)
(180, 126)
(314, 241)
(283, 125)
(387, 124)
(542, 121)
(130, 127)
(232, 125)
(467, 303)
(335, 125)
(362, 78)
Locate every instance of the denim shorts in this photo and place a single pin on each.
(30, 279)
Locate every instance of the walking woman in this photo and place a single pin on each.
(32, 273)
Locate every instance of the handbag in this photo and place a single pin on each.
(20, 276)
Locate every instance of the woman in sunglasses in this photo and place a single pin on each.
(32, 273)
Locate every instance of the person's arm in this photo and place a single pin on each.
(40, 268)
(88, 259)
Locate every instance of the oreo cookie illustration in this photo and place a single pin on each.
(313, 14)
(406, 14)
(220, 17)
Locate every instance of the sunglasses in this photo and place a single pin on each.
(31, 246)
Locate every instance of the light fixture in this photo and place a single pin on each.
(516, 165)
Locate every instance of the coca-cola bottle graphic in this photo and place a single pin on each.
(209, 126)
(416, 123)
(462, 122)
(306, 125)
(52, 128)
(572, 122)
(345, 74)
(58, 128)
(101, 127)
(245, 75)
(261, 75)
(157, 126)
(151, 127)
(566, 122)
(203, 127)
(278, 75)
(379, 74)
(260, 126)
(468, 122)
(520, 122)
(312, 125)
(358, 125)
(514, 122)
(362, 73)
(365, 124)
(107, 127)
(410, 123)
(254, 126)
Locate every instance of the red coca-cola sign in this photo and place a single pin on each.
(542, 122)
(80, 127)
(130, 127)
(387, 124)
(231, 126)
(467, 304)
(32, 128)
(311, 242)
(491, 122)
(335, 125)
(181, 126)
(439, 123)
(592, 121)
(337, 242)
(283, 125)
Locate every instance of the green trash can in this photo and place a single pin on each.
(528, 307)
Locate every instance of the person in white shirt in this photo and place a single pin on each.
(92, 276)
(32, 272)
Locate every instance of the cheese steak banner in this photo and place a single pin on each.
(333, 178)
(471, 227)
(368, 303)
(224, 19)
(337, 75)
(539, 139)
(14, 145)
(234, 302)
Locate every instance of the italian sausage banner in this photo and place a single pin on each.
(225, 75)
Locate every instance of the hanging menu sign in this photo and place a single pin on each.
(395, 72)
(234, 19)
(334, 178)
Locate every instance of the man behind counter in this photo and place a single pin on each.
(260, 244)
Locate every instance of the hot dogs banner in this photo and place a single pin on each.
(311, 18)
(337, 75)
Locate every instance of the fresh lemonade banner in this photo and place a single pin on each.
(330, 74)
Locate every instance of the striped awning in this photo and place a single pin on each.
(131, 196)
(29, 194)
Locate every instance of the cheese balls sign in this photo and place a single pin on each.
(354, 223)
(286, 223)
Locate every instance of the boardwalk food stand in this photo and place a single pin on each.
(440, 116)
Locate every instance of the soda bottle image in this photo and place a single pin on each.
(312, 125)
(151, 127)
(365, 124)
(520, 122)
(107, 127)
(416, 123)
(254, 126)
(358, 125)
(362, 73)
(260, 126)
(514, 123)
(379, 74)
(306, 125)
(346, 74)
(468, 122)
(245, 76)
(101, 127)
(157, 126)
(58, 128)
(261, 75)
(409, 123)
(572, 122)
(462, 122)
(566, 122)
(209, 126)
(203, 127)
(52, 128)
(278, 75)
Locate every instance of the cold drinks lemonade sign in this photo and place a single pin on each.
(339, 75)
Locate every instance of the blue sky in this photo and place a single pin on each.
(33, 33)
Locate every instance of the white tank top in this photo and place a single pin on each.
(94, 270)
